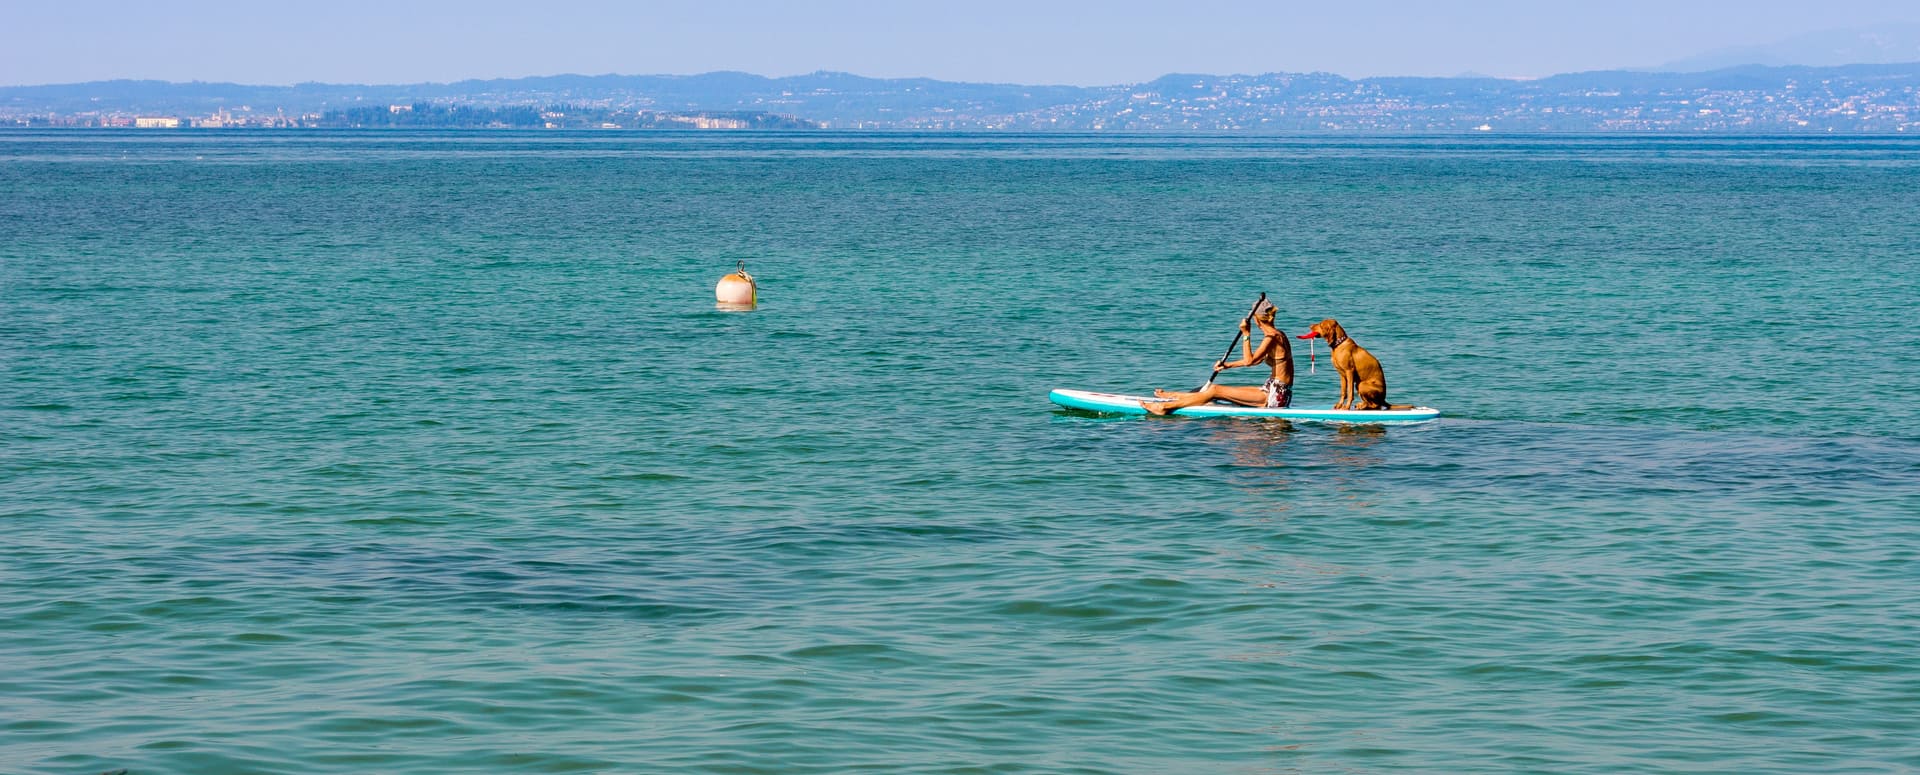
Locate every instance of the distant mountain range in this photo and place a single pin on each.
(1879, 44)
(1864, 98)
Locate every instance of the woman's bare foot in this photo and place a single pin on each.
(1159, 393)
(1155, 407)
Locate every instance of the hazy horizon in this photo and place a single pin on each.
(995, 41)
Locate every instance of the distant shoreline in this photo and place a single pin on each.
(1802, 134)
(1849, 98)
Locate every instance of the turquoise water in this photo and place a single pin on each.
(344, 453)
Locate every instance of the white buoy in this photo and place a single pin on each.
(737, 290)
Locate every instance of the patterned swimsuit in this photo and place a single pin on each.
(1278, 396)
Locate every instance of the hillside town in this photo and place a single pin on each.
(1275, 103)
(1860, 98)
(423, 116)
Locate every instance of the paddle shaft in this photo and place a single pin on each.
(1236, 341)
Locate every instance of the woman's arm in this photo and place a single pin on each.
(1248, 355)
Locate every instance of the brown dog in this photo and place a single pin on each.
(1363, 384)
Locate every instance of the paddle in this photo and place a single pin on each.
(1236, 342)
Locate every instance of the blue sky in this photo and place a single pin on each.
(1076, 42)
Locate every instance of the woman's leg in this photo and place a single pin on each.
(1179, 400)
(1243, 395)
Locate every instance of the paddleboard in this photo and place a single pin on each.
(1114, 403)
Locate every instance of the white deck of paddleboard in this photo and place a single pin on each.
(1116, 403)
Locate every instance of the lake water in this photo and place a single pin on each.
(428, 452)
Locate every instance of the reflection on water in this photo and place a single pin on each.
(1257, 443)
(1356, 445)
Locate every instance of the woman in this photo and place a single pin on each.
(1274, 351)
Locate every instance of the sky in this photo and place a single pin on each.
(1034, 42)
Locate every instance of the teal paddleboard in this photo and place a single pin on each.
(1114, 403)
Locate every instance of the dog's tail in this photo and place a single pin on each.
(1402, 407)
